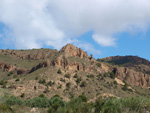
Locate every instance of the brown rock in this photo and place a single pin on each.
(71, 50)
(132, 77)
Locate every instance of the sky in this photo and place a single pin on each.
(100, 27)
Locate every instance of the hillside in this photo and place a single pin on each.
(71, 72)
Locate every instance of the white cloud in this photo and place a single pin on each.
(104, 40)
(35, 23)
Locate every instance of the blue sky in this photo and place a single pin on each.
(100, 27)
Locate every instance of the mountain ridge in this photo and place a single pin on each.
(66, 72)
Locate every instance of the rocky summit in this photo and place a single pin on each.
(72, 72)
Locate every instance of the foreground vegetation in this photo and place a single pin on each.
(11, 104)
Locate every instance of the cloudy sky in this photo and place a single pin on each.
(100, 27)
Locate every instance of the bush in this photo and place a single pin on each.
(111, 107)
(78, 80)
(10, 73)
(83, 84)
(115, 83)
(125, 87)
(68, 85)
(56, 103)
(90, 76)
(75, 76)
(4, 86)
(83, 98)
(41, 102)
(59, 71)
(112, 75)
(42, 95)
(60, 86)
(3, 82)
(98, 64)
(12, 100)
(17, 79)
(43, 81)
(67, 76)
(50, 83)
(22, 95)
(62, 80)
(5, 109)
(135, 104)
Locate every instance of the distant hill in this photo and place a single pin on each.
(126, 60)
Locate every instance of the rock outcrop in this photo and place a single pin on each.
(12, 68)
(71, 50)
(6, 67)
(132, 77)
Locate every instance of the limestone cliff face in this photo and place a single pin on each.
(71, 50)
(132, 77)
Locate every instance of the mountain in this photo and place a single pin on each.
(71, 72)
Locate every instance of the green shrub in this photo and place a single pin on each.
(62, 80)
(59, 71)
(125, 87)
(83, 84)
(112, 75)
(41, 102)
(42, 95)
(43, 81)
(115, 82)
(17, 79)
(4, 86)
(60, 86)
(3, 82)
(56, 103)
(67, 76)
(12, 100)
(135, 104)
(15, 76)
(5, 109)
(50, 83)
(111, 107)
(90, 76)
(10, 73)
(83, 98)
(75, 76)
(22, 95)
(98, 64)
(68, 85)
(78, 80)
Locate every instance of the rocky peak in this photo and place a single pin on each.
(71, 50)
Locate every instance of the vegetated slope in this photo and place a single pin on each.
(69, 73)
